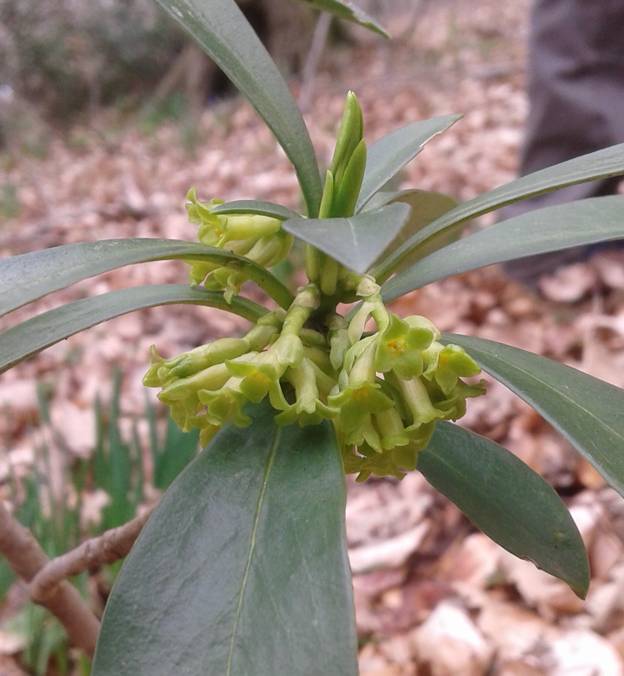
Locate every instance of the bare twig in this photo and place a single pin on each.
(412, 22)
(26, 558)
(319, 40)
(107, 548)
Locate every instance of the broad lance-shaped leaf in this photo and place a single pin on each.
(255, 207)
(224, 33)
(597, 219)
(357, 241)
(242, 569)
(388, 155)
(348, 11)
(600, 164)
(30, 276)
(425, 206)
(50, 327)
(587, 411)
(507, 500)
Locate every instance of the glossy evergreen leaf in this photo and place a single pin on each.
(507, 500)
(255, 207)
(222, 30)
(587, 411)
(50, 327)
(356, 242)
(425, 207)
(596, 165)
(344, 9)
(597, 219)
(388, 155)
(242, 570)
(30, 276)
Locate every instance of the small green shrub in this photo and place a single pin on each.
(242, 569)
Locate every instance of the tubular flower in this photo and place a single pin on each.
(259, 238)
(310, 385)
(400, 347)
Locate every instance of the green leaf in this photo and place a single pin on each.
(508, 501)
(587, 411)
(425, 207)
(255, 207)
(222, 30)
(597, 219)
(30, 276)
(242, 569)
(600, 164)
(344, 9)
(35, 334)
(388, 155)
(356, 242)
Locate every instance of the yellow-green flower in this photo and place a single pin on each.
(259, 238)
(308, 407)
(225, 404)
(446, 364)
(400, 347)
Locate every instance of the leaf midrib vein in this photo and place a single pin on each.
(252, 546)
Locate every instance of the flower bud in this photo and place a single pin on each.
(259, 238)
(418, 402)
(339, 341)
(202, 357)
(349, 135)
(249, 226)
(211, 378)
(391, 429)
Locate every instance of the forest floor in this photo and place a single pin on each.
(433, 596)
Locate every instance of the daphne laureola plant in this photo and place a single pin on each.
(242, 568)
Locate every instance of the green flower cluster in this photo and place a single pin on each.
(393, 384)
(259, 238)
(383, 390)
(279, 358)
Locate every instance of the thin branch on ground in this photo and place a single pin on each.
(109, 547)
(27, 559)
(310, 69)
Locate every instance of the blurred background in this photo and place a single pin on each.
(108, 114)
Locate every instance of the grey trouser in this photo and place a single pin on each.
(576, 101)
